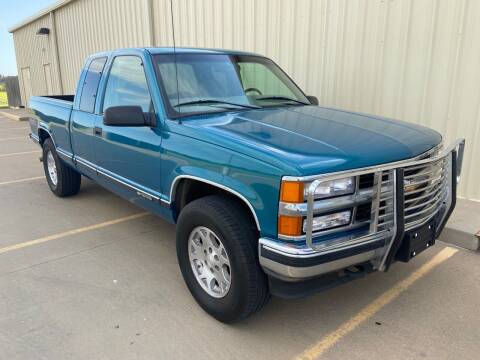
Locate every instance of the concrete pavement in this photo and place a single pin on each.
(116, 292)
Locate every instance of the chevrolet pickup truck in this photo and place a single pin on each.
(271, 193)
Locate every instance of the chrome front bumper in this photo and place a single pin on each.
(300, 260)
(290, 264)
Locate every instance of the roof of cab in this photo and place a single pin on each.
(185, 50)
(178, 50)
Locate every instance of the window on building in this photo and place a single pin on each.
(127, 84)
(90, 86)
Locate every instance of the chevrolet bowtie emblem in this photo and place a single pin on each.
(416, 183)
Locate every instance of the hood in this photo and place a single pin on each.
(315, 140)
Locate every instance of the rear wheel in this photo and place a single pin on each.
(217, 254)
(62, 179)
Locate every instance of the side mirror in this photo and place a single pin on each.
(313, 99)
(125, 116)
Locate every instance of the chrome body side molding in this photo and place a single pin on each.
(147, 194)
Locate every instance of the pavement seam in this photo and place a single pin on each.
(70, 233)
(57, 258)
(13, 129)
(21, 180)
(20, 153)
(14, 138)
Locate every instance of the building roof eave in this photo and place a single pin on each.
(56, 5)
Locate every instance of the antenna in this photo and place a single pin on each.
(175, 56)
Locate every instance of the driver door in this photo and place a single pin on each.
(128, 155)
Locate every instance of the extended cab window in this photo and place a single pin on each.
(126, 84)
(90, 85)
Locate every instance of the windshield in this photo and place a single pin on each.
(217, 82)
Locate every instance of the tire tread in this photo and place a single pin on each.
(230, 214)
(69, 180)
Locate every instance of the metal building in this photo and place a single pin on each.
(412, 60)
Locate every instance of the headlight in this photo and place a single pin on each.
(329, 221)
(295, 192)
(337, 187)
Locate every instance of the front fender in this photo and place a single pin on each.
(253, 181)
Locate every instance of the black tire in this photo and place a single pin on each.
(68, 180)
(248, 291)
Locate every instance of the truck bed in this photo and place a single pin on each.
(60, 100)
(52, 114)
(69, 98)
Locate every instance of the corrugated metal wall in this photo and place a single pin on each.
(412, 60)
(33, 52)
(89, 26)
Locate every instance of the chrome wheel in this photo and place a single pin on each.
(52, 168)
(209, 261)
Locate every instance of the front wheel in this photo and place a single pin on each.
(62, 179)
(217, 254)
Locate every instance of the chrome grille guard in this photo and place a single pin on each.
(388, 190)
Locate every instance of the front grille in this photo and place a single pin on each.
(380, 212)
(425, 189)
(385, 203)
(363, 212)
(365, 181)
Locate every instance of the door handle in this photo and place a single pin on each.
(97, 131)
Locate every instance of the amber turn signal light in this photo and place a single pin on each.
(290, 225)
(291, 191)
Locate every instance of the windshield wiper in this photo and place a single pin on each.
(214, 101)
(281, 98)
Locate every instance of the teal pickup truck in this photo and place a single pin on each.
(271, 193)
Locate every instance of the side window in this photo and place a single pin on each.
(257, 76)
(126, 84)
(90, 86)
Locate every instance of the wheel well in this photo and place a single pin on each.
(188, 190)
(42, 136)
